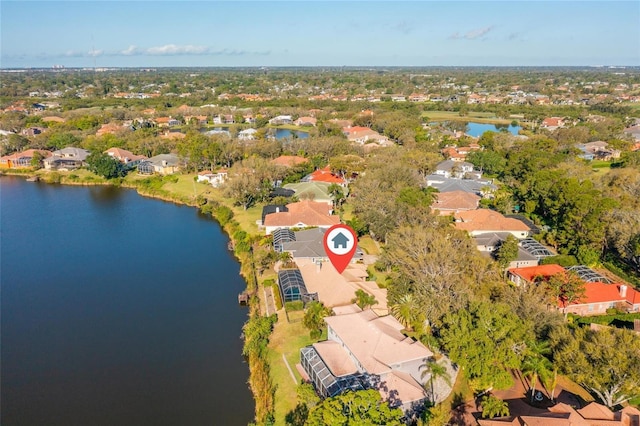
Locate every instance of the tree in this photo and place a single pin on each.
(507, 252)
(363, 407)
(493, 407)
(487, 340)
(565, 288)
(436, 371)
(535, 364)
(36, 160)
(364, 300)
(314, 318)
(105, 165)
(605, 362)
(405, 310)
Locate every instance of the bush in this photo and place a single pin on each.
(223, 215)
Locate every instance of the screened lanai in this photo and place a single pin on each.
(588, 275)
(292, 286)
(535, 248)
(281, 236)
(326, 383)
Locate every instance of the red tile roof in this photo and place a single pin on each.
(487, 220)
(530, 272)
(325, 175)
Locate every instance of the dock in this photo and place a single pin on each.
(243, 298)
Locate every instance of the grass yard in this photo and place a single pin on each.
(288, 339)
(187, 186)
(477, 117)
(367, 244)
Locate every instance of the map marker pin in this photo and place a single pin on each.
(340, 243)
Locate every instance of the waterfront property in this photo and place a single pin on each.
(301, 215)
(293, 288)
(128, 158)
(69, 158)
(19, 160)
(164, 164)
(364, 350)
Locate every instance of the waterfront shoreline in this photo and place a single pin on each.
(247, 268)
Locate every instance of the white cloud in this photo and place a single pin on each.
(95, 52)
(131, 50)
(173, 49)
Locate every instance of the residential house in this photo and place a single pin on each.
(314, 191)
(215, 179)
(306, 121)
(447, 203)
(364, 135)
(552, 123)
(23, 159)
(69, 158)
(561, 414)
(484, 221)
(453, 169)
(281, 119)
(200, 120)
(364, 350)
(599, 297)
(481, 187)
(289, 160)
(489, 243)
(325, 175)
(32, 131)
(247, 134)
(334, 289)
(306, 244)
(272, 208)
(301, 215)
(127, 158)
(528, 275)
(164, 164)
(417, 97)
(166, 122)
(599, 150)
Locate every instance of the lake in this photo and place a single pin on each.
(477, 129)
(288, 134)
(117, 310)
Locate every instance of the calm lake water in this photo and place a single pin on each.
(477, 129)
(288, 134)
(117, 310)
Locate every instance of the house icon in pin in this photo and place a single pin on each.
(340, 241)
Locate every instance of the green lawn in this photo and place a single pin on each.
(478, 117)
(367, 244)
(288, 339)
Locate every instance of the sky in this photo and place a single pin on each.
(311, 33)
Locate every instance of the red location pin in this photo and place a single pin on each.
(340, 243)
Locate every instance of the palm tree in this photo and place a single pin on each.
(405, 310)
(436, 371)
(536, 364)
(493, 407)
(364, 300)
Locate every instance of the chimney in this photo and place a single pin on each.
(164, 163)
(623, 290)
(277, 209)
